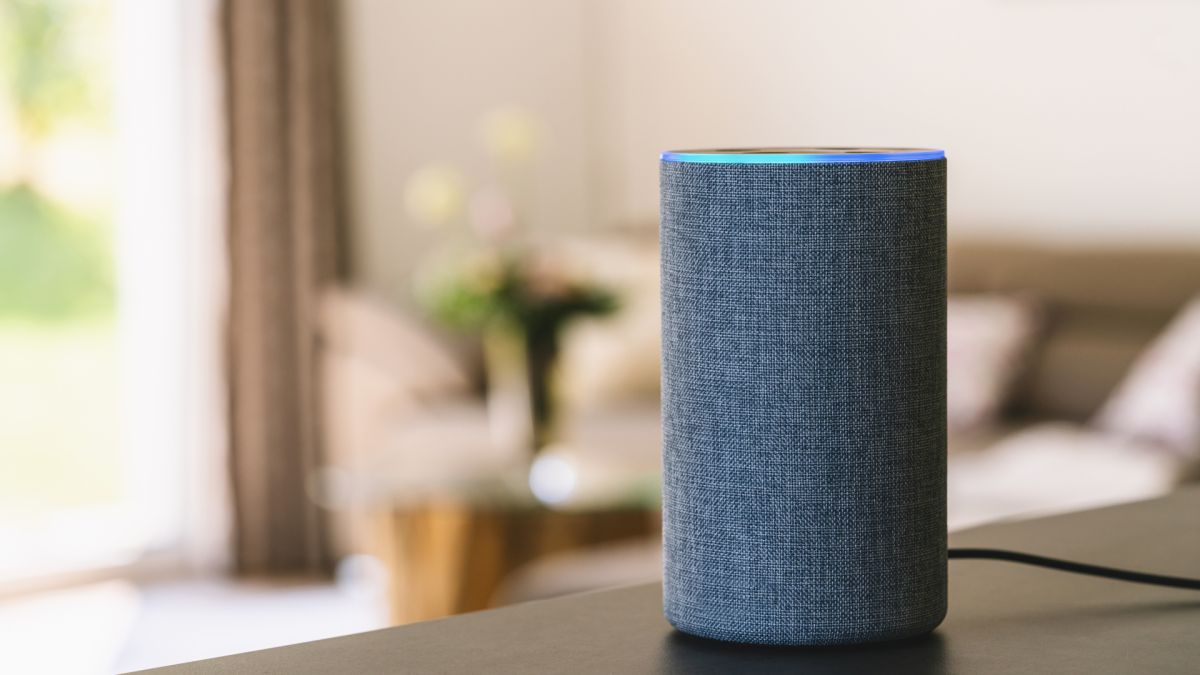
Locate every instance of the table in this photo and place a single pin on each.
(1003, 618)
(451, 556)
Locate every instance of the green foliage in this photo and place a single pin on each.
(53, 265)
(58, 442)
(538, 301)
(530, 296)
(49, 70)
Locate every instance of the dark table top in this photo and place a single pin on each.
(1004, 618)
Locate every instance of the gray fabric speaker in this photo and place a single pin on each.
(804, 412)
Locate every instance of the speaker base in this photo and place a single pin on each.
(896, 634)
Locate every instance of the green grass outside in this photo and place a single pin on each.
(58, 415)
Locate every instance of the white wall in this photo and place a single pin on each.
(418, 78)
(1065, 120)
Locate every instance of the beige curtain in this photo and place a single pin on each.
(284, 216)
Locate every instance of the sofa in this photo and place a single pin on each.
(1099, 310)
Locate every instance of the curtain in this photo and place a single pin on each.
(284, 215)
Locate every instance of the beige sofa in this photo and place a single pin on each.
(1101, 309)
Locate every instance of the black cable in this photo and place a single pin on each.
(1076, 567)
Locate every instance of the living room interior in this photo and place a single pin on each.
(324, 316)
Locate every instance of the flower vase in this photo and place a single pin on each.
(519, 368)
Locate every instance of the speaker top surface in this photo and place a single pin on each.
(802, 155)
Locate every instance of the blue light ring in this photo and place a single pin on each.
(758, 157)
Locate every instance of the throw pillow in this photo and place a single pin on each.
(988, 339)
(1159, 400)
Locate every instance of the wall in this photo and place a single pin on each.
(418, 77)
(1065, 120)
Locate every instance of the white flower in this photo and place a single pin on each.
(510, 134)
(434, 195)
(491, 214)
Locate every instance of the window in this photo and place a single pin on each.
(108, 310)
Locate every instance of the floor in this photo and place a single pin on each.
(115, 626)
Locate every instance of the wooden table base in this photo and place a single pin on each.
(450, 557)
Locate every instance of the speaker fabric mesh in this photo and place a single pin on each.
(804, 400)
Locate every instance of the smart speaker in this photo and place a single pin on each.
(804, 409)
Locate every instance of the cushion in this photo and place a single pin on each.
(1054, 467)
(1093, 322)
(1159, 399)
(988, 338)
